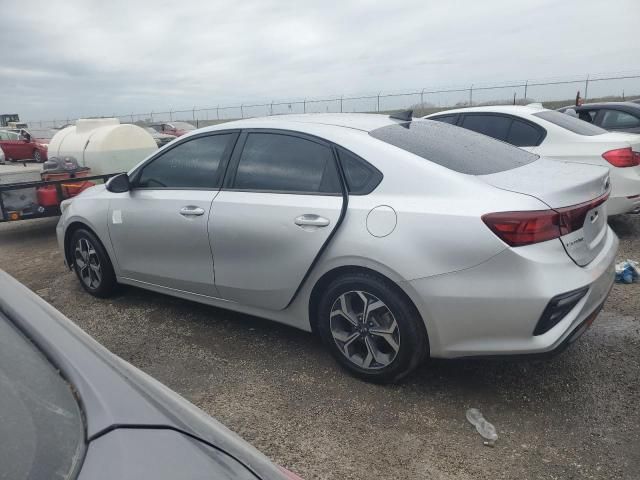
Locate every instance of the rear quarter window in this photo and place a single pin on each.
(455, 148)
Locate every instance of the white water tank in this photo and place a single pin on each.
(103, 144)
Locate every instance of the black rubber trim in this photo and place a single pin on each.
(343, 212)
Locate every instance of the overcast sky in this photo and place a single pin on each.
(70, 58)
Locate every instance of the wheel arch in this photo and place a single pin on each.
(68, 234)
(330, 275)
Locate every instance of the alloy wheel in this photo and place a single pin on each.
(365, 330)
(88, 263)
(37, 156)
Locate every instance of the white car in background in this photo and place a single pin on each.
(558, 136)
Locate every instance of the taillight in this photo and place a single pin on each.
(524, 228)
(622, 157)
(288, 475)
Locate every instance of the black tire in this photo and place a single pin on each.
(97, 255)
(37, 156)
(411, 340)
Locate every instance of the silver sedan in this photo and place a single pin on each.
(392, 238)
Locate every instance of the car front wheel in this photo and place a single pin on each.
(371, 328)
(37, 156)
(92, 265)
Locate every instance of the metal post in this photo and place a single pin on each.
(170, 115)
(218, 112)
(514, 98)
(340, 103)
(271, 108)
(586, 88)
(151, 115)
(526, 85)
(304, 106)
(378, 107)
(241, 111)
(193, 113)
(422, 98)
(471, 95)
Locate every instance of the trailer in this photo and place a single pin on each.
(53, 193)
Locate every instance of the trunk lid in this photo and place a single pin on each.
(632, 139)
(570, 189)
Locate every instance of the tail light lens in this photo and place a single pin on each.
(524, 228)
(622, 157)
(288, 475)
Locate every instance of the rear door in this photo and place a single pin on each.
(281, 202)
(159, 229)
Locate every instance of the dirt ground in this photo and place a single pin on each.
(572, 417)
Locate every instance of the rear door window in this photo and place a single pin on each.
(523, 134)
(613, 119)
(457, 149)
(451, 119)
(285, 163)
(495, 126)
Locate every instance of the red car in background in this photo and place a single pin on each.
(22, 146)
(173, 128)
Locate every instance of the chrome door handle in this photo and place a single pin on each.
(311, 220)
(191, 211)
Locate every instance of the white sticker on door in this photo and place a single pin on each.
(116, 216)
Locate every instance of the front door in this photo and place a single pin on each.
(280, 204)
(159, 229)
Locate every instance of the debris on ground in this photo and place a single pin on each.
(484, 428)
(627, 272)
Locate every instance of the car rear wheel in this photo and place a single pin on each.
(92, 265)
(371, 328)
(37, 156)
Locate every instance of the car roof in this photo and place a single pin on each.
(512, 109)
(365, 122)
(615, 105)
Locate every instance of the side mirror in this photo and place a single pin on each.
(119, 183)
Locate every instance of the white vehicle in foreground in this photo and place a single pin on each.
(559, 136)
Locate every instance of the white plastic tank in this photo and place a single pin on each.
(103, 144)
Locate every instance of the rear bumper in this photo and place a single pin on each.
(493, 308)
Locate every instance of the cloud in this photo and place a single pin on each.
(77, 58)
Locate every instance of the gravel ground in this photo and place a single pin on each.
(574, 416)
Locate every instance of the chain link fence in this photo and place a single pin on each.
(552, 92)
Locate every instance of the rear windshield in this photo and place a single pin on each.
(455, 148)
(570, 123)
(41, 429)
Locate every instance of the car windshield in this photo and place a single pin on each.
(570, 123)
(41, 429)
(183, 126)
(455, 148)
